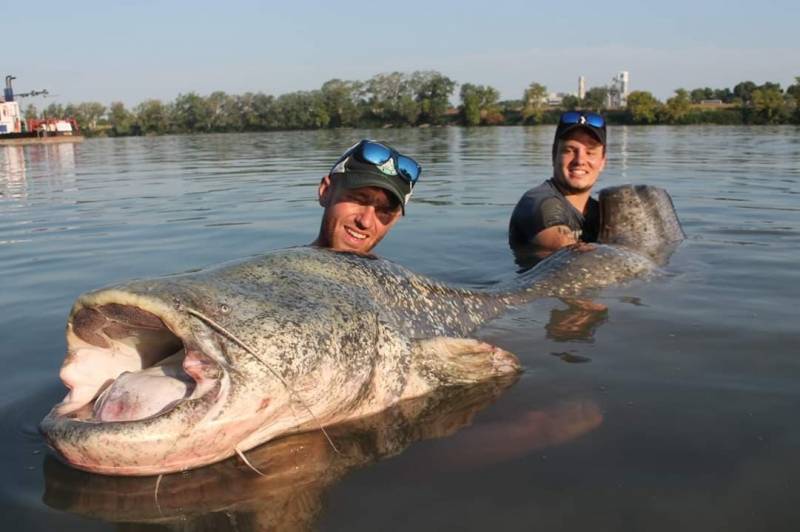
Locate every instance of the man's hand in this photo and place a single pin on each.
(554, 238)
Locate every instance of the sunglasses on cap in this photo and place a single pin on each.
(582, 117)
(375, 153)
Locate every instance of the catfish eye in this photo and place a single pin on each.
(224, 308)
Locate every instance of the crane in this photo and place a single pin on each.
(9, 91)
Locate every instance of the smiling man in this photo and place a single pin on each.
(364, 195)
(561, 210)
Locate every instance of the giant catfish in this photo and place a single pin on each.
(186, 370)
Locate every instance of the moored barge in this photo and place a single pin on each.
(15, 131)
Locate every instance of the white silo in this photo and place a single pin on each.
(624, 81)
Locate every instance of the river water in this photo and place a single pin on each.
(674, 409)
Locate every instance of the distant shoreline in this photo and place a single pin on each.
(422, 99)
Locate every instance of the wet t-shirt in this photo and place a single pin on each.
(545, 206)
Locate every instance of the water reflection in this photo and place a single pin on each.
(297, 470)
(582, 317)
(623, 151)
(578, 322)
(51, 163)
(12, 177)
(698, 389)
(54, 159)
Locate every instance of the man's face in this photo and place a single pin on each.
(355, 219)
(579, 160)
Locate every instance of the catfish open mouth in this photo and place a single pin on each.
(126, 364)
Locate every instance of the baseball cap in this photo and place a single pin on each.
(569, 121)
(372, 164)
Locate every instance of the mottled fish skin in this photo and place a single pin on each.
(336, 336)
(634, 226)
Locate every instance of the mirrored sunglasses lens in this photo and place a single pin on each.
(595, 120)
(571, 117)
(375, 153)
(409, 168)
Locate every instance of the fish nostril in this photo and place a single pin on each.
(224, 309)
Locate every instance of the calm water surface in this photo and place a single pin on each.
(675, 409)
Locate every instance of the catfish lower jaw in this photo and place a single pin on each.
(141, 447)
(146, 386)
(125, 362)
(156, 390)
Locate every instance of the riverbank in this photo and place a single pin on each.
(22, 141)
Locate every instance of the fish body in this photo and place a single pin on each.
(186, 370)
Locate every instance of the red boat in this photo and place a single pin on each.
(14, 130)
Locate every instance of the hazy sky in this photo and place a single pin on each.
(88, 50)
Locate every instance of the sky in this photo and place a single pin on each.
(134, 50)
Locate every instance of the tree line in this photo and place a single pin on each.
(421, 98)
(746, 103)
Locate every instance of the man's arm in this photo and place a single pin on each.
(554, 238)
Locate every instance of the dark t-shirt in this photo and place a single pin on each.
(545, 206)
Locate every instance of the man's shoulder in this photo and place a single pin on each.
(542, 191)
(538, 197)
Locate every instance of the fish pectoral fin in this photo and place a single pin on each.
(447, 361)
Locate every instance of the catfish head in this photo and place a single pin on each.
(171, 374)
(641, 218)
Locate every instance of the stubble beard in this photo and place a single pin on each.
(569, 190)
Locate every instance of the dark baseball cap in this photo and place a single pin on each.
(351, 172)
(569, 121)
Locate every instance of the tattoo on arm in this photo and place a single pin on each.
(555, 237)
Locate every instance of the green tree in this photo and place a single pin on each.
(743, 91)
(120, 119)
(698, 95)
(86, 114)
(215, 111)
(224, 112)
(54, 110)
(478, 103)
(301, 110)
(596, 99)
(71, 111)
(570, 102)
(258, 111)
(93, 111)
(768, 104)
(391, 99)
(643, 107)
(677, 107)
(794, 90)
(769, 85)
(31, 112)
(725, 95)
(407, 111)
(470, 104)
(793, 97)
(534, 100)
(190, 113)
(341, 100)
(266, 111)
(432, 93)
(152, 117)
